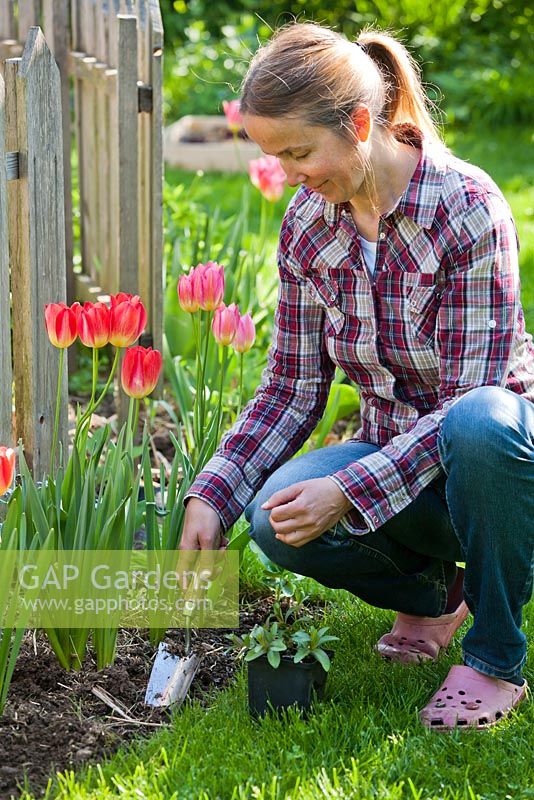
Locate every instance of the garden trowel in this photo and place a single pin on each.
(171, 675)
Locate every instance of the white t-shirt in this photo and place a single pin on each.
(369, 253)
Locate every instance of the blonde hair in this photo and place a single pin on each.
(311, 72)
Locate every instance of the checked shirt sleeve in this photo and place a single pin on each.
(286, 406)
(475, 334)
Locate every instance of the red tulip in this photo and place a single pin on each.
(7, 467)
(186, 295)
(225, 322)
(233, 115)
(60, 321)
(208, 285)
(245, 334)
(127, 320)
(267, 175)
(141, 367)
(93, 324)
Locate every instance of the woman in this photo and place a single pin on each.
(397, 263)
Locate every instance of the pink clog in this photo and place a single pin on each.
(469, 699)
(416, 639)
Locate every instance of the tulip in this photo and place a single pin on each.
(127, 319)
(60, 321)
(141, 367)
(225, 322)
(267, 175)
(186, 295)
(7, 467)
(93, 324)
(208, 285)
(233, 115)
(245, 334)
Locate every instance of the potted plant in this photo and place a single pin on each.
(287, 660)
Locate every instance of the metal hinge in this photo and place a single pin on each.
(144, 97)
(12, 166)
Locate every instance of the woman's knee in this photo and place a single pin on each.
(481, 425)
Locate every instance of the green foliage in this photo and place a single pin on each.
(474, 54)
(289, 626)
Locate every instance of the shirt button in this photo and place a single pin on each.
(492, 324)
(382, 235)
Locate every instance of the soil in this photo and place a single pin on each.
(53, 721)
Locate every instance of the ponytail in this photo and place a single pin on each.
(312, 73)
(405, 100)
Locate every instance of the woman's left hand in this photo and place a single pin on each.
(303, 511)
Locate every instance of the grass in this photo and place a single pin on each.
(364, 741)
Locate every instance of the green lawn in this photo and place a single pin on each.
(364, 741)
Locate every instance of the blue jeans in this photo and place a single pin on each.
(480, 510)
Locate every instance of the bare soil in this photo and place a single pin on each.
(53, 721)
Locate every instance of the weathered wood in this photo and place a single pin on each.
(113, 271)
(7, 20)
(56, 31)
(156, 182)
(6, 400)
(38, 252)
(29, 16)
(128, 154)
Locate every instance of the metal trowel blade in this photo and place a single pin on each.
(170, 678)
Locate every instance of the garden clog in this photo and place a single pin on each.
(416, 639)
(469, 699)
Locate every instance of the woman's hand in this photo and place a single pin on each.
(303, 511)
(202, 527)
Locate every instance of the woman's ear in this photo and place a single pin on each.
(361, 119)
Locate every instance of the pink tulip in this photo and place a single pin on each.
(225, 322)
(208, 285)
(233, 115)
(245, 334)
(7, 468)
(93, 324)
(186, 295)
(140, 372)
(267, 175)
(127, 319)
(60, 321)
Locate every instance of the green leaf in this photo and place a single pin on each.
(274, 658)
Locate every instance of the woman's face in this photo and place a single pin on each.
(310, 154)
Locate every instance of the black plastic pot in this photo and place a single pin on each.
(288, 685)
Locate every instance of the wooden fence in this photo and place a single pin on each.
(109, 55)
(32, 245)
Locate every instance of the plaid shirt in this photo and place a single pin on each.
(440, 315)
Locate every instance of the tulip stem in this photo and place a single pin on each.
(95, 376)
(56, 418)
(136, 418)
(241, 358)
(196, 407)
(202, 379)
(219, 408)
(94, 404)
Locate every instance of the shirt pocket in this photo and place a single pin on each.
(423, 305)
(324, 292)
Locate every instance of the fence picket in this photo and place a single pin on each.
(6, 427)
(56, 32)
(155, 298)
(38, 260)
(127, 156)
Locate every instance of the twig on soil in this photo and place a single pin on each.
(114, 704)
